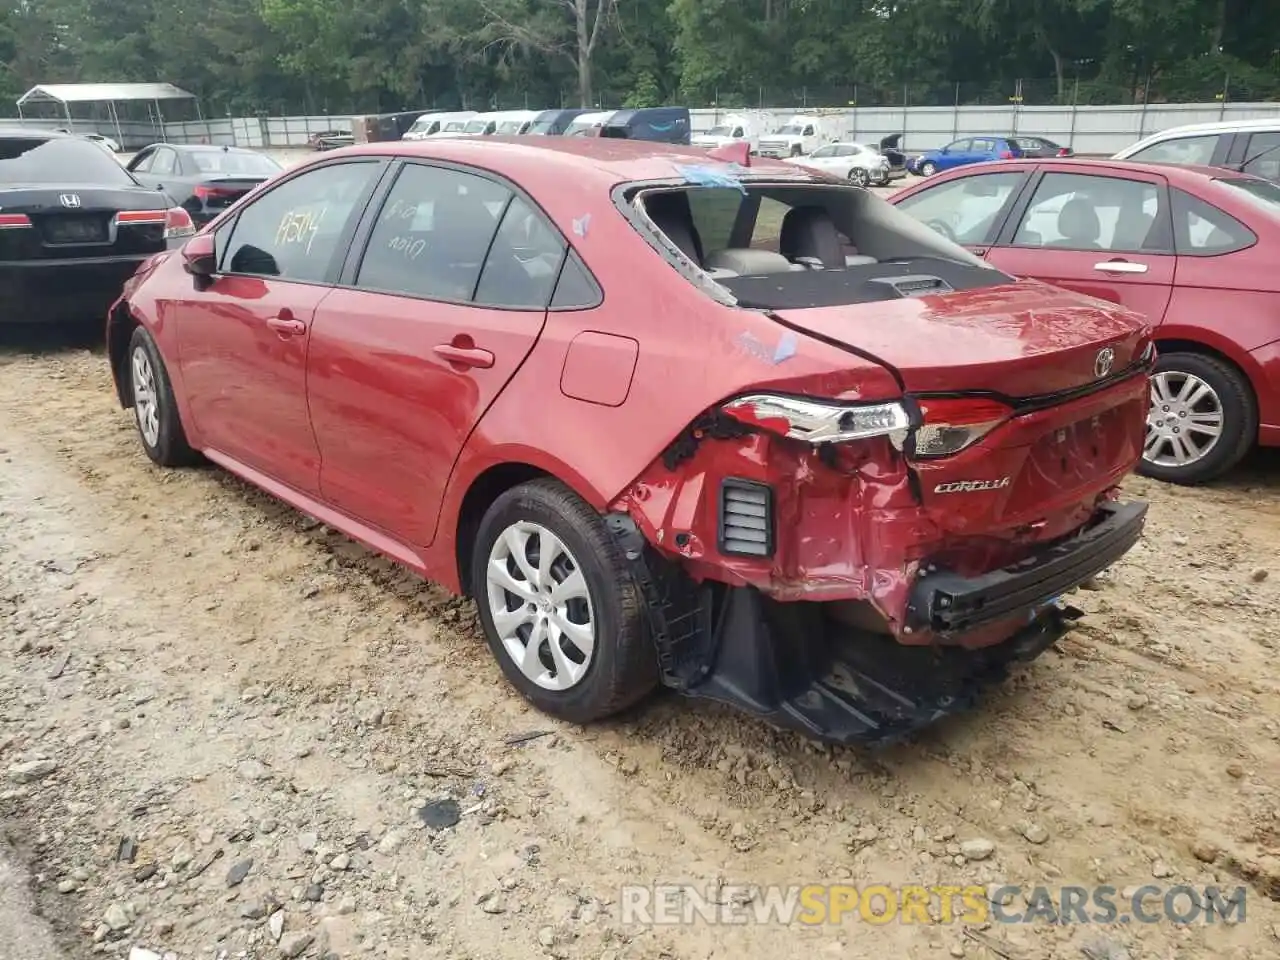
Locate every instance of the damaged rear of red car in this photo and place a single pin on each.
(857, 549)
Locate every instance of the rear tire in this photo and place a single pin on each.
(547, 575)
(154, 409)
(1190, 390)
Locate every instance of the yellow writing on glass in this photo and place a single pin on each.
(300, 227)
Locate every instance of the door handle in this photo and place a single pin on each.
(287, 326)
(1120, 266)
(465, 356)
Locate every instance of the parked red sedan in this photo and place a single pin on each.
(1193, 248)
(745, 430)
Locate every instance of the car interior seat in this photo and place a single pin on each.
(809, 236)
(672, 214)
(1078, 226)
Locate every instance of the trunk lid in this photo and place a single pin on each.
(42, 222)
(1019, 339)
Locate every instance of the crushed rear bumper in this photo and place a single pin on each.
(947, 604)
(802, 666)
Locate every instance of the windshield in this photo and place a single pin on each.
(421, 124)
(1263, 194)
(234, 163)
(542, 127)
(720, 131)
(454, 126)
(510, 126)
(33, 160)
(476, 126)
(582, 129)
(794, 129)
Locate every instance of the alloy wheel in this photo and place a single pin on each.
(860, 177)
(1185, 421)
(541, 606)
(146, 399)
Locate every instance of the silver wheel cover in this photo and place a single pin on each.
(146, 398)
(541, 606)
(1185, 420)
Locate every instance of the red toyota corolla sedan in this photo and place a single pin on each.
(1193, 248)
(735, 427)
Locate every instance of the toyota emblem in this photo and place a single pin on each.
(1103, 362)
(70, 200)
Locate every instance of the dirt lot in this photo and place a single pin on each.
(223, 728)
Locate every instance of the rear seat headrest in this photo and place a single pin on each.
(810, 232)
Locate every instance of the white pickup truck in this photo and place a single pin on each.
(735, 128)
(799, 136)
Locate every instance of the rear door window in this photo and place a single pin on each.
(1072, 211)
(432, 234)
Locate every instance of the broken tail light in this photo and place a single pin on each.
(950, 424)
(819, 421)
(178, 224)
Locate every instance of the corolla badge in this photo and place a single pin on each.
(69, 200)
(1103, 362)
(968, 486)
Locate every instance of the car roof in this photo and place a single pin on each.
(604, 160)
(199, 147)
(1216, 126)
(1185, 172)
(16, 132)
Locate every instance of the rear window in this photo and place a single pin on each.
(1263, 194)
(37, 160)
(234, 163)
(792, 245)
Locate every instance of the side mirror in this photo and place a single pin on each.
(199, 258)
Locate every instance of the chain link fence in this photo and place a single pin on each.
(1067, 91)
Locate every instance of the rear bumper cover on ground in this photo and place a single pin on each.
(797, 665)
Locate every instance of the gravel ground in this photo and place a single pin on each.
(226, 731)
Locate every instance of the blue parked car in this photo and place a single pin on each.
(964, 151)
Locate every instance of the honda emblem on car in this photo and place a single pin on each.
(1103, 362)
(70, 200)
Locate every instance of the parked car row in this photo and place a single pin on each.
(1190, 247)
(655, 124)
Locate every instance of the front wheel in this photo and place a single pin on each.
(560, 610)
(1202, 419)
(928, 168)
(154, 409)
(859, 177)
(796, 151)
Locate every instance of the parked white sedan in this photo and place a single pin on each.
(858, 163)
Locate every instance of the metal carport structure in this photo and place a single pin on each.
(66, 94)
